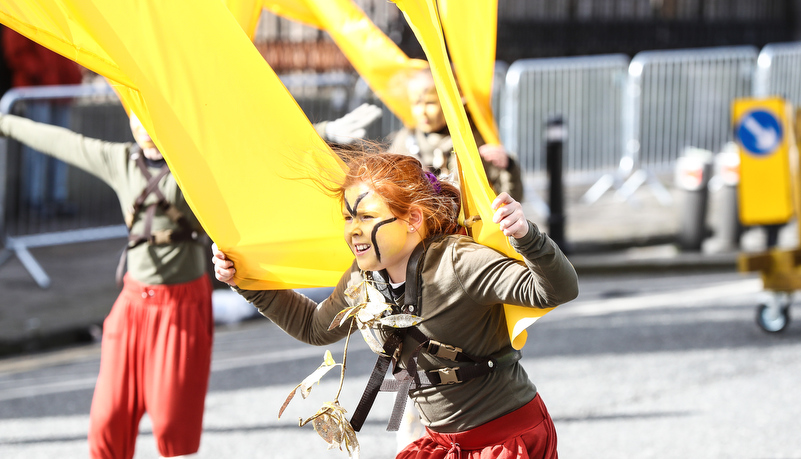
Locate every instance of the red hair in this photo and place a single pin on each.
(403, 183)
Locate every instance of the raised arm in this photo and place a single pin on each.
(544, 279)
(102, 159)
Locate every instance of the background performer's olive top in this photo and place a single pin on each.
(110, 161)
(464, 287)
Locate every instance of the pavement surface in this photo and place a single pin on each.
(609, 235)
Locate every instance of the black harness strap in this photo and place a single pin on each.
(393, 342)
(374, 383)
(404, 386)
(412, 298)
(410, 378)
(185, 231)
(450, 375)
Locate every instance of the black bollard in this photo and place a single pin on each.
(555, 136)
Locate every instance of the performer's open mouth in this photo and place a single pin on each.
(361, 248)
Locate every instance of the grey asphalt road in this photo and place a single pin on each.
(641, 366)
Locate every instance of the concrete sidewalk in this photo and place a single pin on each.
(606, 237)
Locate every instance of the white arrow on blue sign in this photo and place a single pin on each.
(759, 132)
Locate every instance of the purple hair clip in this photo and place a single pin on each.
(434, 182)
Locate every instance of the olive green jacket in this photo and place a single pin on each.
(464, 287)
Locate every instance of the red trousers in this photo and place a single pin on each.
(526, 433)
(155, 358)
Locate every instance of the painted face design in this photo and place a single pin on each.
(376, 237)
(426, 108)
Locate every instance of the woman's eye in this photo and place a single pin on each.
(347, 218)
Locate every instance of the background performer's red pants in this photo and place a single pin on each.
(155, 358)
(526, 433)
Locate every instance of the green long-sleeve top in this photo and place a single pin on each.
(464, 287)
(170, 263)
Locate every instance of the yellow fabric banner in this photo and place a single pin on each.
(471, 28)
(296, 10)
(424, 20)
(377, 59)
(242, 152)
(246, 13)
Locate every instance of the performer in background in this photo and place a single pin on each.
(157, 339)
(430, 141)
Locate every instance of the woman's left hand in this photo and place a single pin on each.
(223, 266)
(509, 216)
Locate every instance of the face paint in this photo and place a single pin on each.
(378, 238)
(375, 232)
(352, 210)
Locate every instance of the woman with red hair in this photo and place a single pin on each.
(454, 359)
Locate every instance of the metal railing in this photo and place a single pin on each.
(86, 210)
(673, 100)
(322, 96)
(683, 98)
(586, 91)
(778, 72)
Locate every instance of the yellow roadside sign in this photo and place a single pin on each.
(762, 131)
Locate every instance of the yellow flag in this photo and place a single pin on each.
(470, 28)
(384, 67)
(296, 10)
(246, 13)
(237, 142)
(424, 20)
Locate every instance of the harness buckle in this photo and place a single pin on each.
(397, 354)
(445, 351)
(161, 237)
(447, 375)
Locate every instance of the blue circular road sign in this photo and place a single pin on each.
(759, 132)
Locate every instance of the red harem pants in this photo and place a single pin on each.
(526, 433)
(155, 358)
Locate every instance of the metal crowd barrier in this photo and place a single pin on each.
(388, 124)
(322, 96)
(586, 91)
(90, 211)
(777, 72)
(675, 99)
(683, 98)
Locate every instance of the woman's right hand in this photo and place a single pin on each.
(223, 267)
